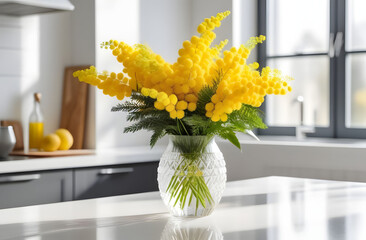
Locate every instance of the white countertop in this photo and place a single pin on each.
(140, 154)
(101, 158)
(348, 143)
(265, 208)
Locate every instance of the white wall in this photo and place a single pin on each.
(32, 58)
(83, 52)
(120, 20)
(164, 25)
(202, 9)
(245, 18)
(34, 50)
(10, 67)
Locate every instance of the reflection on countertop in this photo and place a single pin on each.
(270, 208)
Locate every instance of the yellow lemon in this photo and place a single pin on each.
(51, 142)
(66, 139)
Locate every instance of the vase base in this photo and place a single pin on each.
(190, 213)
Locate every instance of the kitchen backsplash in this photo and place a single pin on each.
(10, 67)
(34, 51)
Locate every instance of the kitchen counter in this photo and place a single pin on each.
(101, 158)
(264, 208)
(336, 159)
(319, 158)
(346, 143)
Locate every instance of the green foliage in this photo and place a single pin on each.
(204, 96)
(138, 103)
(145, 116)
(158, 133)
(149, 123)
(230, 135)
(146, 113)
(127, 107)
(246, 118)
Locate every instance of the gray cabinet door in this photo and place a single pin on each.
(115, 180)
(17, 190)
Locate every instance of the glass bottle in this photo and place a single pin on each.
(36, 124)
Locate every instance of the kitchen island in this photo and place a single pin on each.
(264, 208)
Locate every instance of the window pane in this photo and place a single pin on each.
(300, 26)
(311, 80)
(356, 91)
(356, 25)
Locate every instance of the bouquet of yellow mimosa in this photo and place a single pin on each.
(206, 92)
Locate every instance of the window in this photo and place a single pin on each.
(322, 44)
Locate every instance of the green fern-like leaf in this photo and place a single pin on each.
(137, 97)
(145, 116)
(144, 113)
(160, 126)
(206, 93)
(151, 123)
(137, 103)
(158, 133)
(230, 135)
(127, 107)
(197, 124)
(246, 118)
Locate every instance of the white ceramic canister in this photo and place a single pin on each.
(7, 141)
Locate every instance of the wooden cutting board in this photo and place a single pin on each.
(60, 153)
(18, 131)
(74, 106)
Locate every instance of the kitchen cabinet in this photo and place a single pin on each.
(42, 187)
(115, 180)
(24, 189)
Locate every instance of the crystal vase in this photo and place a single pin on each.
(191, 175)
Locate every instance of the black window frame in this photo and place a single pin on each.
(337, 76)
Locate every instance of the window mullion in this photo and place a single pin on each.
(340, 73)
(262, 48)
(333, 29)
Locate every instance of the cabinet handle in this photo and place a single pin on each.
(111, 171)
(20, 178)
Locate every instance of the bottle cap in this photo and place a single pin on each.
(37, 97)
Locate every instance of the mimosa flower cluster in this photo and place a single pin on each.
(176, 87)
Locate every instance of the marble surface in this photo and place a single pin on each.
(347, 143)
(265, 208)
(101, 158)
